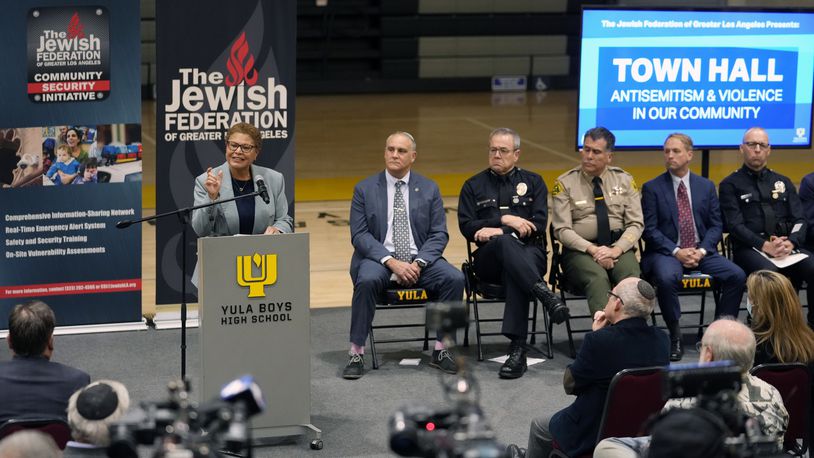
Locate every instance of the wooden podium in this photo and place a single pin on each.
(255, 319)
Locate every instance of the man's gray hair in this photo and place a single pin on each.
(407, 135)
(29, 443)
(729, 339)
(95, 431)
(507, 131)
(638, 298)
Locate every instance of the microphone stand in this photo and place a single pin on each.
(183, 217)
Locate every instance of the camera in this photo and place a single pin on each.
(459, 430)
(178, 426)
(715, 386)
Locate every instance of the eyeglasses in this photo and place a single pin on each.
(612, 294)
(502, 151)
(698, 346)
(754, 145)
(234, 146)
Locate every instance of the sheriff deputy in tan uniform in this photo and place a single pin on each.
(597, 216)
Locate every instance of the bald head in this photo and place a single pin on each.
(729, 339)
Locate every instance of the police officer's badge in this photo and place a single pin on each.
(522, 188)
(617, 190)
(779, 188)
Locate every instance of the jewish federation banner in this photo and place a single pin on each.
(218, 64)
(70, 159)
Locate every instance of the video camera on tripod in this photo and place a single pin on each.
(715, 386)
(458, 430)
(179, 427)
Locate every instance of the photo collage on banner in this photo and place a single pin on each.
(71, 160)
(216, 68)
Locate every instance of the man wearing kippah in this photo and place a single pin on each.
(621, 339)
(91, 410)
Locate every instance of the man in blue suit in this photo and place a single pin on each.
(31, 385)
(621, 339)
(682, 229)
(399, 232)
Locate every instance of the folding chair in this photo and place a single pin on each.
(397, 298)
(568, 292)
(793, 381)
(54, 427)
(479, 292)
(634, 395)
(693, 283)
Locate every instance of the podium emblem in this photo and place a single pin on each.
(265, 265)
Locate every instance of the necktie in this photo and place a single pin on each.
(603, 233)
(401, 227)
(686, 224)
(769, 220)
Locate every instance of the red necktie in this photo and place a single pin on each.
(686, 225)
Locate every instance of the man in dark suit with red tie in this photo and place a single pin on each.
(682, 229)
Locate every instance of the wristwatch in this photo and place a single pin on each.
(421, 263)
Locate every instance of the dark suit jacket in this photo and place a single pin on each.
(807, 199)
(36, 388)
(368, 219)
(628, 344)
(661, 214)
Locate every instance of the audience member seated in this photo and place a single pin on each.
(724, 339)
(31, 385)
(90, 412)
(682, 228)
(29, 444)
(807, 199)
(621, 339)
(777, 320)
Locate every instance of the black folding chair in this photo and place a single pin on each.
(479, 292)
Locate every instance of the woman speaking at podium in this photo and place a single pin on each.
(236, 177)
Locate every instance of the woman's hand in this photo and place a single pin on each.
(212, 183)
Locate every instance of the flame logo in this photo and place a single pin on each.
(75, 28)
(238, 71)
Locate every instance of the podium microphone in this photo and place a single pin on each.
(123, 224)
(261, 188)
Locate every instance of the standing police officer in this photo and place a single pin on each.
(598, 218)
(762, 212)
(504, 210)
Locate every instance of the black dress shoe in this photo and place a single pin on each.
(355, 367)
(676, 350)
(515, 365)
(552, 303)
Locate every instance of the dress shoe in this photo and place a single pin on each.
(552, 303)
(514, 451)
(355, 367)
(443, 359)
(515, 365)
(676, 350)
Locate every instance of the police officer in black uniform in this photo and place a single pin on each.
(504, 210)
(763, 214)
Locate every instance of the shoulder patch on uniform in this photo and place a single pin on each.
(556, 189)
(633, 184)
